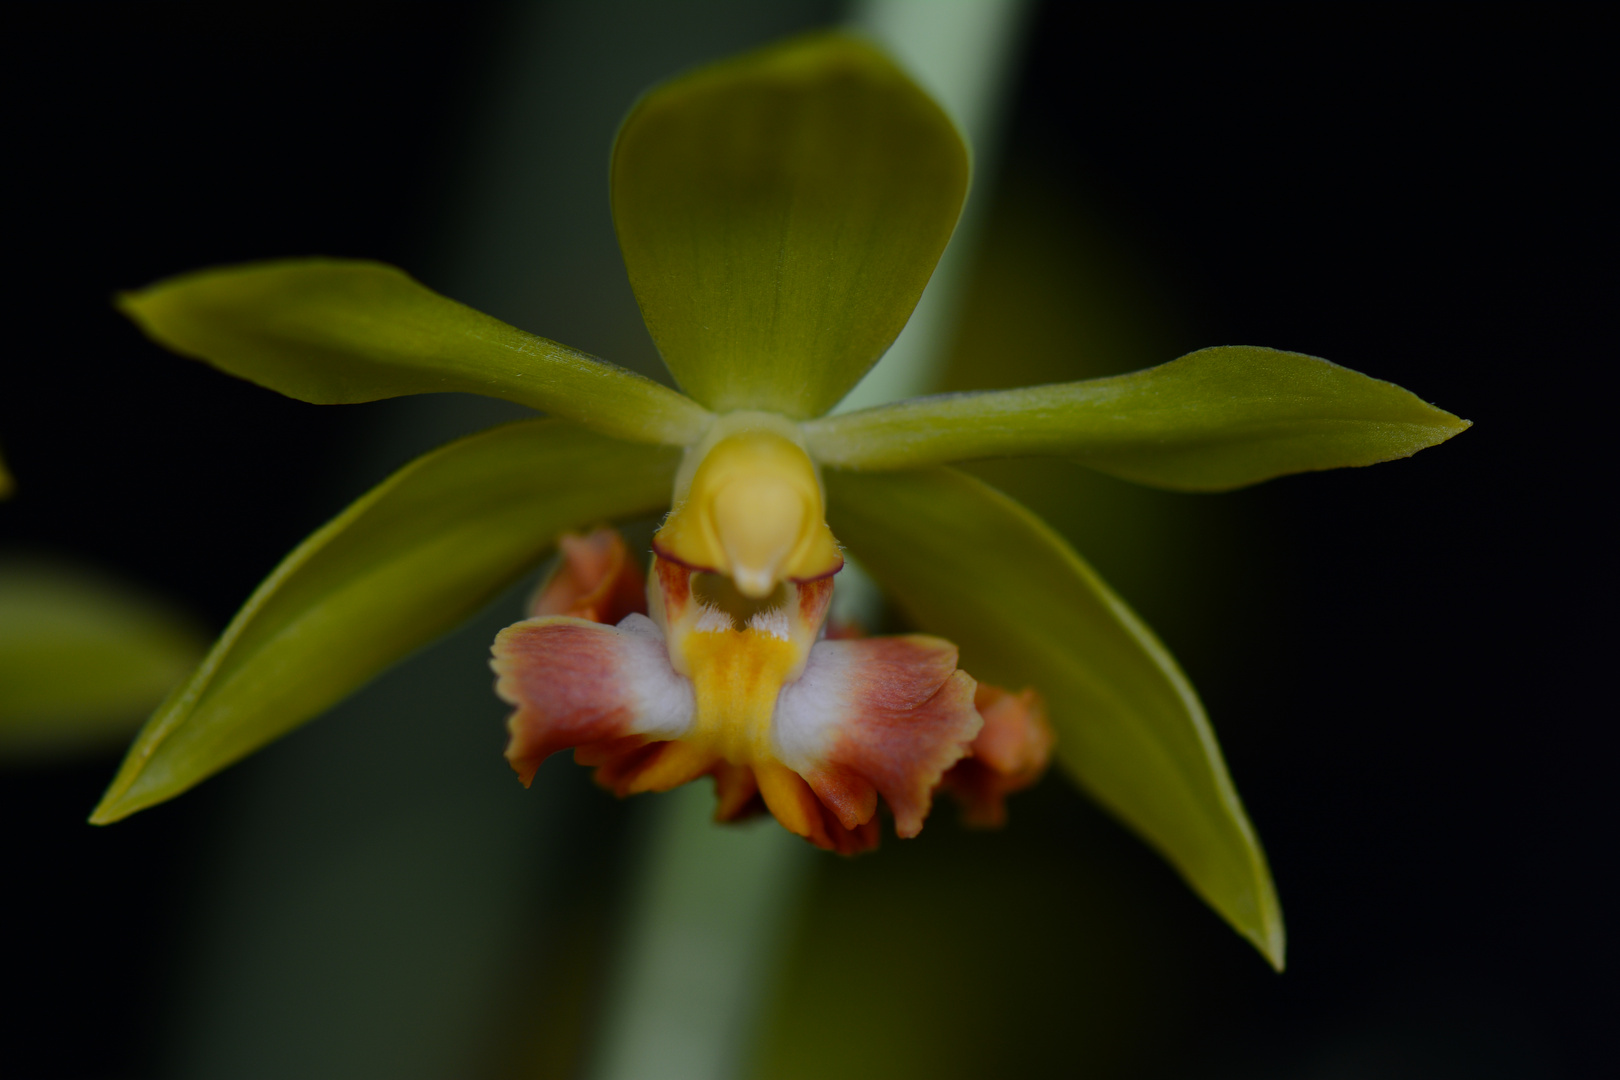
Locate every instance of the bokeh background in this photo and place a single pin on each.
(1403, 663)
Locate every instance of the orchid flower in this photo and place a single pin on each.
(779, 214)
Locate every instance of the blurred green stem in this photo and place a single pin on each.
(964, 52)
(713, 906)
(707, 927)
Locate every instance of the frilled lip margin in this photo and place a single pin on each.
(889, 716)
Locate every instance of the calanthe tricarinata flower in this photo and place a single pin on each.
(779, 214)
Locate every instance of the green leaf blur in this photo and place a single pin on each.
(405, 563)
(971, 565)
(336, 331)
(83, 658)
(779, 214)
(1215, 419)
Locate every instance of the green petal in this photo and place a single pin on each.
(968, 563)
(1213, 420)
(780, 214)
(409, 560)
(336, 331)
(82, 658)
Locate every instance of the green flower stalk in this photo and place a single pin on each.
(779, 215)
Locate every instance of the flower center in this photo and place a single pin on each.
(738, 652)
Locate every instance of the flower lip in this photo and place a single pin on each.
(750, 505)
(715, 683)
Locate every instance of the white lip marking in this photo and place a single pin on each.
(711, 620)
(772, 622)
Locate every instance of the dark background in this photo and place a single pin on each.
(1405, 673)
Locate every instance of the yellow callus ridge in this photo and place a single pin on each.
(736, 677)
(752, 508)
(737, 651)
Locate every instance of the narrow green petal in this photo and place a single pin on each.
(780, 213)
(337, 331)
(405, 563)
(971, 565)
(1213, 420)
(82, 658)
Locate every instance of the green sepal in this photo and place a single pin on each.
(405, 563)
(780, 213)
(1213, 420)
(82, 658)
(968, 563)
(337, 331)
